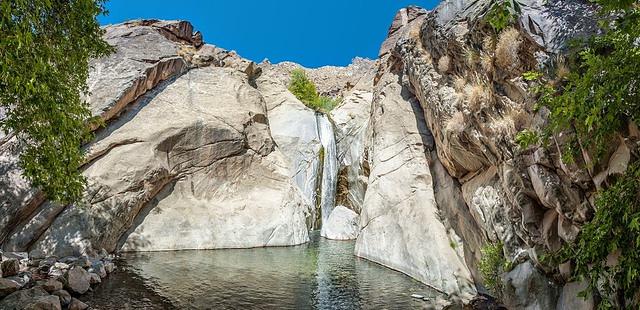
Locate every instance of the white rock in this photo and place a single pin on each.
(342, 224)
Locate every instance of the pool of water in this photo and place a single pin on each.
(322, 274)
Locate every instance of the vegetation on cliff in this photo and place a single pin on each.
(304, 89)
(491, 266)
(596, 97)
(45, 47)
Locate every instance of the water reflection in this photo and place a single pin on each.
(323, 274)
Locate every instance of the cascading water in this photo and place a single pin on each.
(329, 168)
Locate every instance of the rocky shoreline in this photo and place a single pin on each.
(31, 281)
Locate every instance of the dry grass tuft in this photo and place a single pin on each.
(486, 62)
(562, 70)
(459, 83)
(471, 57)
(488, 44)
(477, 96)
(503, 127)
(456, 123)
(444, 64)
(507, 49)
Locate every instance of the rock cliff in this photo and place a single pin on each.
(203, 149)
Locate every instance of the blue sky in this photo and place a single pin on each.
(312, 33)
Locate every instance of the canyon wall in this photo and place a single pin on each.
(203, 149)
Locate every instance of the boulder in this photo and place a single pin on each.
(97, 267)
(10, 267)
(94, 278)
(83, 262)
(351, 120)
(77, 305)
(23, 279)
(527, 288)
(35, 298)
(77, 280)
(7, 287)
(294, 129)
(58, 270)
(109, 267)
(569, 299)
(342, 224)
(64, 296)
(51, 285)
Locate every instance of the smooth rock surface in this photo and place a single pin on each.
(399, 215)
(341, 225)
(226, 186)
(569, 299)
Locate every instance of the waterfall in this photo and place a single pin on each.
(329, 167)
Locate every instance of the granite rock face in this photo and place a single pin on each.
(187, 147)
(400, 213)
(204, 149)
(341, 225)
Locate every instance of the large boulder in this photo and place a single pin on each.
(146, 53)
(351, 121)
(77, 280)
(34, 298)
(7, 287)
(569, 299)
(208, 161)
(527, 288)
(341, 225)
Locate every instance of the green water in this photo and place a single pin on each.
(322, 274)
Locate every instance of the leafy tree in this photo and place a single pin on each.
(45, 47)
(304, 89)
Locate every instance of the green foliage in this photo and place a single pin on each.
(45, 47)
(491, 266)
(596, 100)
(601, 94)
(614, 228)
(532, 75)
(304, 89)
(325, 104)
(502, 14)
(527, 138)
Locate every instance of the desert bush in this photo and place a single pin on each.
(305, 90)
